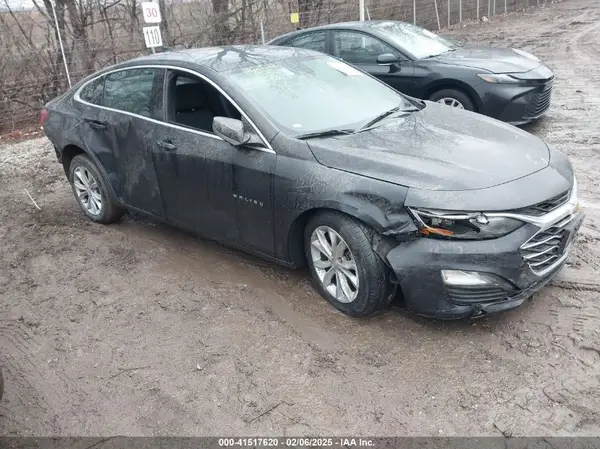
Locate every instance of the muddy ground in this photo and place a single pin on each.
(140, 329)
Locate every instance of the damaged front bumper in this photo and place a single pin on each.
(452, 279)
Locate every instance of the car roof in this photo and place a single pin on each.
(373, 26)
(224, 58)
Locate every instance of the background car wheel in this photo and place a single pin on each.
(454, 98)
(90, 191)
(343, 265)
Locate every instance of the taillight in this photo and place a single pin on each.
(43, 116)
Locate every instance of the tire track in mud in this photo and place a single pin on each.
(573, 318)
(563, 322)
(24, 405)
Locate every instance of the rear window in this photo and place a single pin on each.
(130, 91)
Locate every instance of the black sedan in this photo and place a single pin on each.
(507, 84)
(302, 159)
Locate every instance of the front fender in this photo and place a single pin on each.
(303, 188)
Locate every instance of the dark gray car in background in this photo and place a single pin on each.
(508, 84)
(303, 160)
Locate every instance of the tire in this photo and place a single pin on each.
(82, 167)
(454, 94)
(374, 290)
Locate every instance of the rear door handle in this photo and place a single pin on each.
(96, 123)
(166, 145)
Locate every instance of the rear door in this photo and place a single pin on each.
(119, 120)
(361, 50)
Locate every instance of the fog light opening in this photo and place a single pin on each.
(460, 278)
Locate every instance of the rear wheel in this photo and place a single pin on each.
(343, 265)
(453, 98)
(90, 191)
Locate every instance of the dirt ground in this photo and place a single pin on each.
(140, 329)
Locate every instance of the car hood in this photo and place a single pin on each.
(496, 60)
(437, 148)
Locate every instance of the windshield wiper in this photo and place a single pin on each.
(386, 114)
(381, 117)
(325, 133)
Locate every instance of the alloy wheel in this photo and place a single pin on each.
(87, 190)
(452, 102)
(334, 264)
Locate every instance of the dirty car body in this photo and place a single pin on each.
(504, 83)
(275, 150)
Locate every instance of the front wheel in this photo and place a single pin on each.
(453, 98)
(343, 265)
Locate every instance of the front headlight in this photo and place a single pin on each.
(459, 225)
(499, 78)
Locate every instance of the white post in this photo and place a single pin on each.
(262, 33)
(460, 11)
(437, 15)
(361, 10)
(478, 10)
(62, 49)
(414, 12)
(448, 13)
(505, 8)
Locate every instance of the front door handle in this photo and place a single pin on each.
(166, 145)
(96, 123)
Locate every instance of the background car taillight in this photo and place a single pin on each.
(43, 116)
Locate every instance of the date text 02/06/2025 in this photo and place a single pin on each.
(296, 442)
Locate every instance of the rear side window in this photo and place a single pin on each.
(92, 92)
(311, 41)
(138, 91)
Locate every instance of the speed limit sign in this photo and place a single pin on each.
(151, 12)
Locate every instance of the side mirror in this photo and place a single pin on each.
(387, 59)
(230, 130)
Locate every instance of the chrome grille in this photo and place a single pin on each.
(539, 102)
(544, 207)
(542, 251)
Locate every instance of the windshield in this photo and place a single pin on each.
(416, 40)
(311, 94)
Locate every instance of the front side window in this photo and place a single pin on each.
(311, 41)
(415, 40)
(358, 48)
(309, 94)
(92, 92)
(134, 91)
(194, 103)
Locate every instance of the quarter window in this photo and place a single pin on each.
(92, 92)
(359, 48)
(134, 91)
(311, 41)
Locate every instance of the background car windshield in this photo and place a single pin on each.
(416, 40)
(305, 95)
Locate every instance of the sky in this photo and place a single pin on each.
(16, 4)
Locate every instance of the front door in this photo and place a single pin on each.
(206, 183)
(362, 50)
